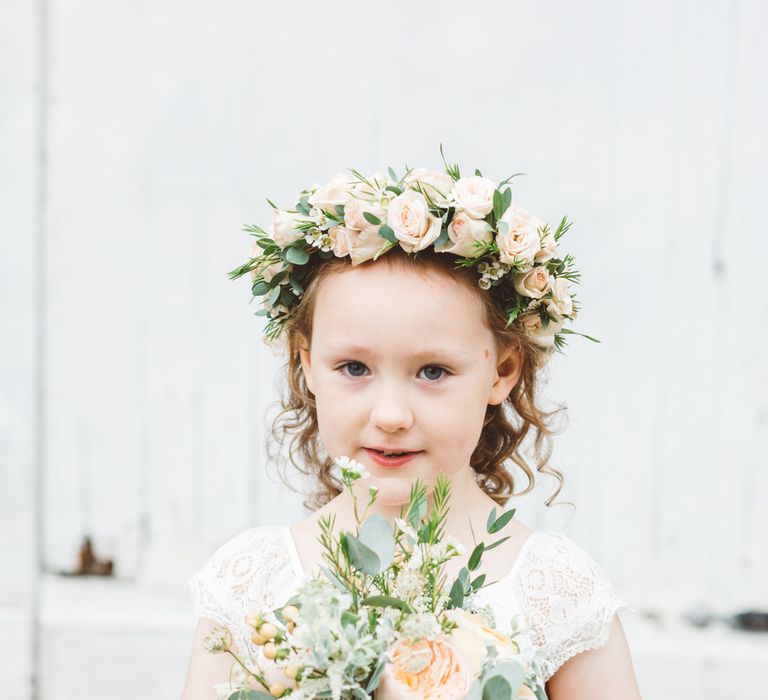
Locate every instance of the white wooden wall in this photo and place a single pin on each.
(137, 137)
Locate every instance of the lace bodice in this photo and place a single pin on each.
(564, 599)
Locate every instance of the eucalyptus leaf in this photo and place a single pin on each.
(502, 520)
(295, 283)
(371, 218)
(498, 204)
(386, 601)
(456, 594)
(496, 543)
(261, 312)
(377, 535)
(373, 682)
(491, 519)
(340, 210)
(385, 231)
(497, 688)
(287, 297)
(297, 256)
(507, 198)
(443, 237)
(274, 295)
(478, 582)
(363, 558)
(250, 695)
(512, 672)
(260, 288)
(474, 558)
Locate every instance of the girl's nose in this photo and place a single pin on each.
(391, 413)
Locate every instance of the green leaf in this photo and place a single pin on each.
(386, 231)
(392, 174)
(498, 204)
(507, 198)
(443, 237)
(287, 297)
(478, 173)
(456, 595)
(502, 520)
(497, 688)
(371, 218)
(474, 559)
(340, 210)
(491, 519)
(496, 543)
(373, 683)
(274, 296)
(295, 255)
(261, 312)
(377, 535)
(250, 695)
(386, 601)
(260, 288)
(294, 282)
(478, 582)
(363, 558)
(394, 188)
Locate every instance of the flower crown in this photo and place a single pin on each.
(472, 218)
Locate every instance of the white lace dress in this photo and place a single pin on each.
(565, 602)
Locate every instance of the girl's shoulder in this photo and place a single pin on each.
(566, 597)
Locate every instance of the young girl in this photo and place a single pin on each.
(394, 348)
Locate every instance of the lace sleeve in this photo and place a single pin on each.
(567, 600)
(246, 574)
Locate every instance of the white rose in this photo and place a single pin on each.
(520, 242)
(337, 191)
(535, 283)
(545, 337)
(548, 248)
(284, 231)
(436, 184)
(408, 216)
(342, 240)
(354, 218)
(561, 303)
(365, 245)
(463, 231)
(474, 195)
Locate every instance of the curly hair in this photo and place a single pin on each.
(505, 427)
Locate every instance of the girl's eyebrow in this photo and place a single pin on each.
(354, 349)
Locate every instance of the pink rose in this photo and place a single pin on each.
(534, 284)
(520, 241)
(284, 231)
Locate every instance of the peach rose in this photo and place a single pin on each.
(463, 231)
(436, 184)
(544, 337)
(473, 633)
(284, 231)
(337, 191)
(561, 303)
(535, 283)
(342, 240)
(408, 216)
(474, 195)
(520, 242)
(424, 669)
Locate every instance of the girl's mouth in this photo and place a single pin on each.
(391, 461)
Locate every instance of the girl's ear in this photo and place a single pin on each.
(306, 366)
(507, 374)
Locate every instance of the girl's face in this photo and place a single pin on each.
(403, 360)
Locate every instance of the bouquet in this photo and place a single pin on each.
(381, 621)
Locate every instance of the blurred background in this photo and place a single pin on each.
(137, 138)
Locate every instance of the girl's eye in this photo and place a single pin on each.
(351, 364)
(435, 367)
(355, 367)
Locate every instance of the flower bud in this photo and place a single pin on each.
(270, 650)
(277, 689)
(268, 630)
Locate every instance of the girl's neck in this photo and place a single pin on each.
(468, 503)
